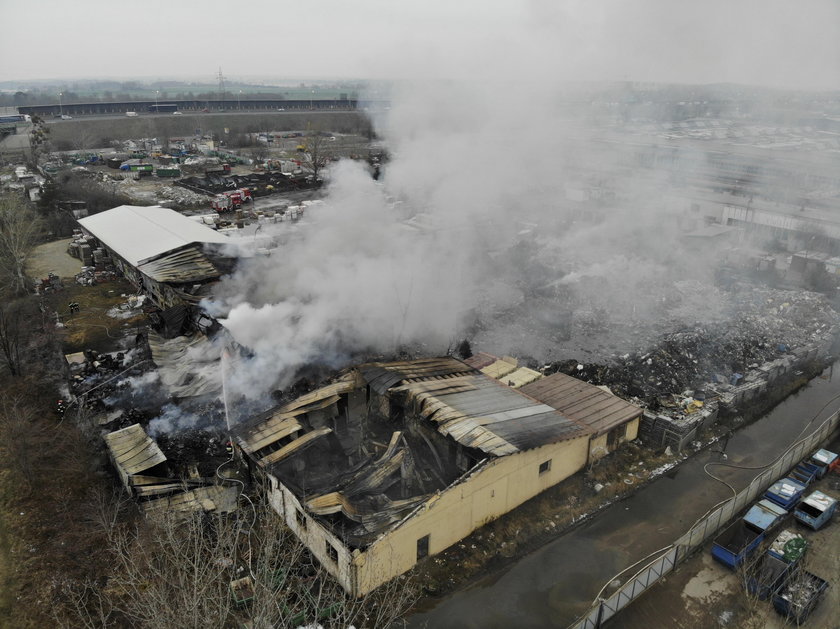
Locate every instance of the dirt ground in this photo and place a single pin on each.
(53, 257)
(6, 572)
(704, 593)
(100, 322)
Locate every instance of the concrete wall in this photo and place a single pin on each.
(598, 445)
(632, 429)
(499, 486)
(312, 534)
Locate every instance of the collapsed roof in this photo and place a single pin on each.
(140, 464)
(366, 450)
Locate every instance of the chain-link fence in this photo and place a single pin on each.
(702, 530)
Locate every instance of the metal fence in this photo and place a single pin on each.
(706, 527)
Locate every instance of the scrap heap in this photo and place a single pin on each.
(691, 374)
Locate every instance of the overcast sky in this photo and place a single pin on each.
(764, 42)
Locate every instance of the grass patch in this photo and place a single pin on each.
(91, 327)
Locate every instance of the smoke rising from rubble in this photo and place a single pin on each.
(474, 229)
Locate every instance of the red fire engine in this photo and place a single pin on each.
(230, 201)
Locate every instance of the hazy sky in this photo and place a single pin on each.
(769, 42)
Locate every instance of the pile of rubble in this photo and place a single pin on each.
(175, 195)
(692, 373)
(49, 284)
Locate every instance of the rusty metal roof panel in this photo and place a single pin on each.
(480, 360)
(274, 429)
(344, 385)
(582, 402)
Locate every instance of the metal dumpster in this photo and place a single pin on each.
(798, 596)
(815, 510)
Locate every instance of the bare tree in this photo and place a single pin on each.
(22, 438)
(20, 326)
(317, 154)
(201, 570)
(12, 330)
(20, 231)
(39, 138)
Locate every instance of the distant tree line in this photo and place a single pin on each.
(109, 92)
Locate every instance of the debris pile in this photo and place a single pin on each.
(83, 247)
(692, 373)
(94, 375)
(260, 184)
(180, 196)
(49, 284)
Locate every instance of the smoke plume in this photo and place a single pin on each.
(510, 213)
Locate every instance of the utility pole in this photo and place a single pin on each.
(221, 78)
(60, 110)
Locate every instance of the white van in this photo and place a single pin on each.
(131, 113)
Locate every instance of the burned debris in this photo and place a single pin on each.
(406, 458)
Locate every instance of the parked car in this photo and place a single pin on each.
(66, 117)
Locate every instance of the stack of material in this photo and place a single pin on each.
(210, 499)
(661, 431)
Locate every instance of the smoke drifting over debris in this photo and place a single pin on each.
(477, 228)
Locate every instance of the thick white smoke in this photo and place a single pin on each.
(487, 239)
(359, 280)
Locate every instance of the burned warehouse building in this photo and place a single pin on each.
(397, 461)
(166, 255)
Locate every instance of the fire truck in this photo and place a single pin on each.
(231, 200)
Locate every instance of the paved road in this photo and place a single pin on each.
(555, 584)
(210, 114)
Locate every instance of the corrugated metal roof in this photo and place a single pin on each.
(281, 422)
(213, 498)
(480, 412)
(382, 376)
(298, 445)
(138, 234)
(583, 402)
(186, 265)
(480, 360)
(188, 366)
(133, 450)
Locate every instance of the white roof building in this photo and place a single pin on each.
(139, 234)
